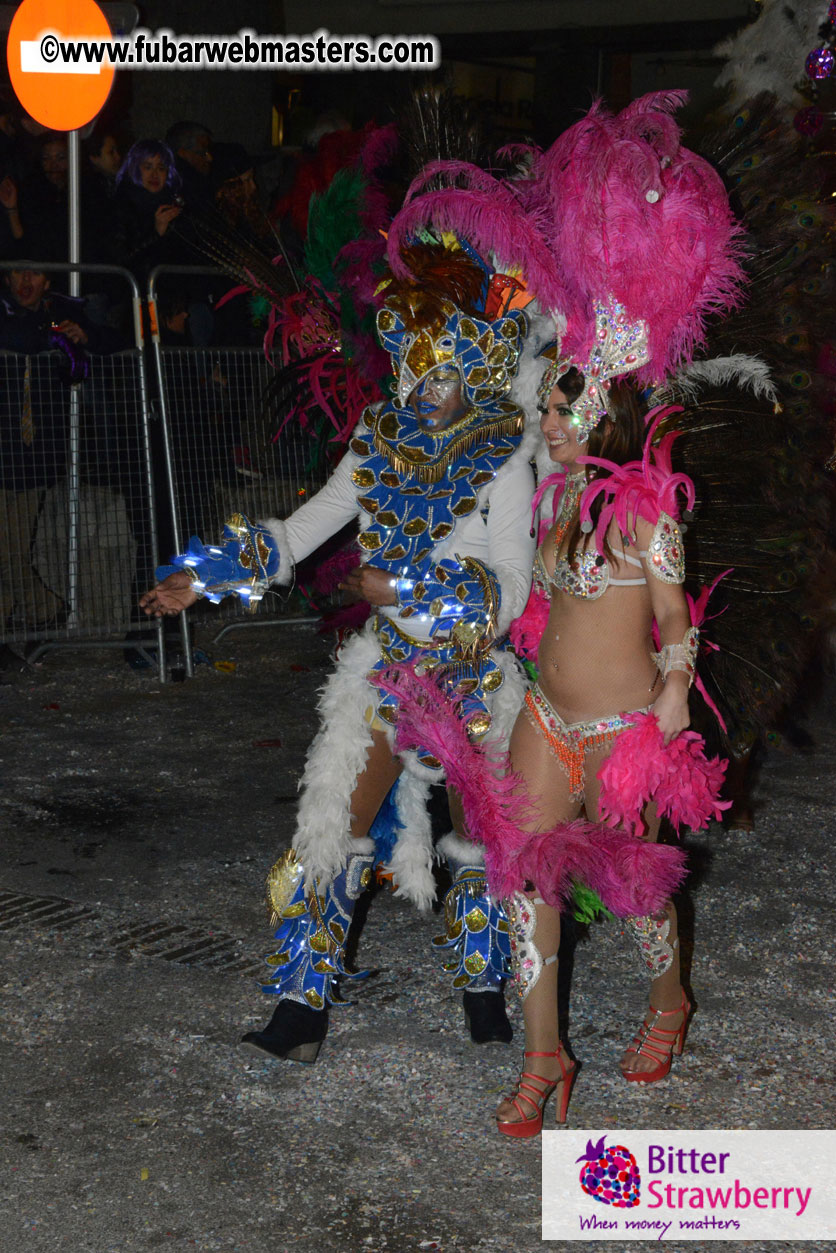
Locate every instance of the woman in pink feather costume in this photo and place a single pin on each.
(627, 239)
(609, 567)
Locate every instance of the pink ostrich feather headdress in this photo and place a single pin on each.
(635, 216)
(616, 227)
(490, 213)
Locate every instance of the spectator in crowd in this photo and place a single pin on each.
(108, 297)
(152, 232)
(43, 197)
(148, 201)
(101, 150)
(236, 193)
(239, 319)
(191, 144)
(34, 319)
(11, 226)
(13, 145)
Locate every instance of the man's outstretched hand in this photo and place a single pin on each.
(170, 597)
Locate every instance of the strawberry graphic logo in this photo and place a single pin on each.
(610, 1175)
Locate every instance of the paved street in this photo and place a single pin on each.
(138, 824)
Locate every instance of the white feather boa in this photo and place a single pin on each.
(335, 759)
(337, 756)
(412, 857)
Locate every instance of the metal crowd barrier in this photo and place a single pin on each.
(102, 476)
(220, 454)
(78, 524)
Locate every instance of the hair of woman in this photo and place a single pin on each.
(141, 151)
(618, 437)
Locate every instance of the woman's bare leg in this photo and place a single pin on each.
(546, 783)
(665, 988)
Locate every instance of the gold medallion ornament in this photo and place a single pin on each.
(282, 881)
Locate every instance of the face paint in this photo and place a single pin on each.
(437, 400)
(434, 391)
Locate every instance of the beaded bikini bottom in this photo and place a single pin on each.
(571, 741)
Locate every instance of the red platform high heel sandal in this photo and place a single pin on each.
(658, 1043)
(535, 1091)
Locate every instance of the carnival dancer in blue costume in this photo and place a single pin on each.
(439, 477)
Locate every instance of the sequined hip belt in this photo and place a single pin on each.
(571, 741)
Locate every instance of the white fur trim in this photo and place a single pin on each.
(335, 759)
(412, 856)
(277, 531)
(454, 848)
(543, 330)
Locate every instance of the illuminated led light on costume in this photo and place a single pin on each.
(246, 564)
(819, 64)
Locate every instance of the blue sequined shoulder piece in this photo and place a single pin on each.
(415, 486)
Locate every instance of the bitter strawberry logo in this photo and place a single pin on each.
(610, 1175)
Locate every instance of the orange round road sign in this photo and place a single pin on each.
(60, 97)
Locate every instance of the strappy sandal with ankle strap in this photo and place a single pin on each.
(535, 1091)
(658, 1043)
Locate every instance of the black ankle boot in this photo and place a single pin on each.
(295, 1032)
(486, 1019)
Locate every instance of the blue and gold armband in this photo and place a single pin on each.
(243, 564)
(459, 594)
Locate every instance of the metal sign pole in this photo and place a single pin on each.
(73, 467)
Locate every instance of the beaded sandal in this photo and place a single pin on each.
(528, 1125)
(658, 1043)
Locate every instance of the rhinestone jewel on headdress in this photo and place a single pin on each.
(620, 346)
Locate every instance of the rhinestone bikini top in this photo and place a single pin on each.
(588, 575)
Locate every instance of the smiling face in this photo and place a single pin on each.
(559, 432)
(437, 401)
(153, 172)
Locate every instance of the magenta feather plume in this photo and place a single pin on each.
(678, 777)
(638, 489)
(698, 609)
(555, 480)
(489, 213)
(615, 208)
(379, 149)
(345, 621)
(332, 570)
(634, 215)
(630, 876)
(526, 631)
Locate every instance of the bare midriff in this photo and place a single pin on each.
(594, 657)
